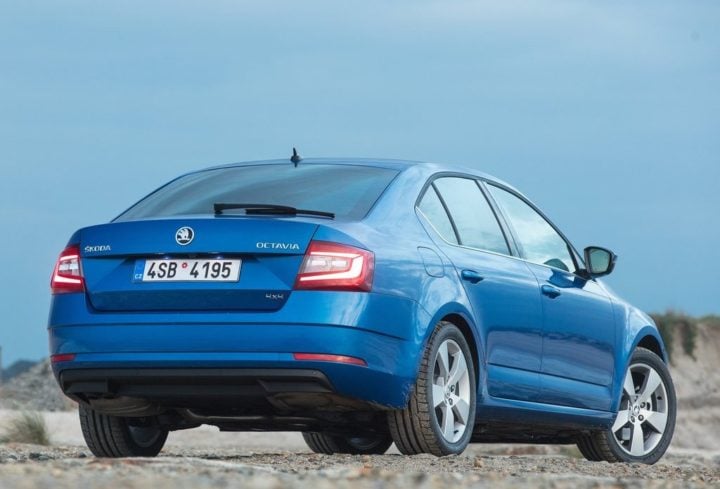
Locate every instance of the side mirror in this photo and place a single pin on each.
(599, 261)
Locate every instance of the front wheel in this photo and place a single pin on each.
(114, 436)
(645, 421)
(440, 415)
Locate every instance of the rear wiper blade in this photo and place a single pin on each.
(257, 209)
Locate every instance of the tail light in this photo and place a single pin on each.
(67, 276)
(333, 266)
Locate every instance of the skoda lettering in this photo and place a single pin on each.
(96, 248)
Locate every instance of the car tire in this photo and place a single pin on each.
(440, 414)
(114, 436)
(645, 421)
(587, 448)
(352, 445)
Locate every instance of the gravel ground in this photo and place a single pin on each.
(30, 466)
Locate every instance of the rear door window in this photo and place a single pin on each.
(475, 221)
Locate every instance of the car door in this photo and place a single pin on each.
(503, 293)
(578, 324)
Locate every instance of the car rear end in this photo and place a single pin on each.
(245, 320)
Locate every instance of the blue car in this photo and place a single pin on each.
(360, 302)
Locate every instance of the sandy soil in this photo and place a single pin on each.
(697, 383)
(269, 460)
(25, 466)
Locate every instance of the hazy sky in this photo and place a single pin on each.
(606, 113)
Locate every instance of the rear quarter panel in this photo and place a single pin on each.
(410, 264)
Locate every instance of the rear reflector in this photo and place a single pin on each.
(334, 266)
(324, 357)
(67, 275)
(62, 357)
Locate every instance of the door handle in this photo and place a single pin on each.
(550, 291)
(471, 276)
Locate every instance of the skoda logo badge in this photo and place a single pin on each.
(184, 235)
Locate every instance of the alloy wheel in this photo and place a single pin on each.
(451, 390)
(643, 414)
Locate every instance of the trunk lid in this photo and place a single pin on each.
(271, 251)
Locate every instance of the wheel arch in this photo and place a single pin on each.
(651, 343)
(460, 317)
(637, 329)
(646, 337)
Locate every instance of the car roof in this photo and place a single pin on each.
(393, 164)
(376, 162)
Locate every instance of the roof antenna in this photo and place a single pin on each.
(295, 158)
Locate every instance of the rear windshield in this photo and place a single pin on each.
(347, 191)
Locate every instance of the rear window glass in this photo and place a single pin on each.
(346, 190)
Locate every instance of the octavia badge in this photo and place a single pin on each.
(184, 235)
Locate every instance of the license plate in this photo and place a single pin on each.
(173, 270)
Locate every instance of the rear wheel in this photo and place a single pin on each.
(114, 436)
(354, 445)
(440, 416)
(645, 421)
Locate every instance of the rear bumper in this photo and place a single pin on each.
(253, 395)
(171, 346)
(193, 379)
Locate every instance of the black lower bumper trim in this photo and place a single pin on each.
(164, 383)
